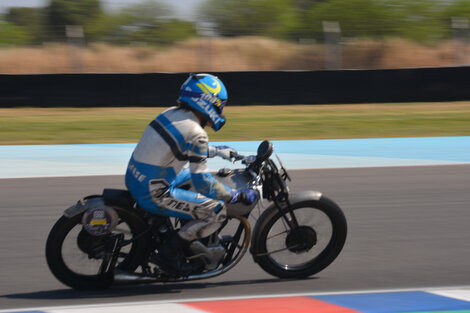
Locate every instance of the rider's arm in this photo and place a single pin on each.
(224, 152)
(203, 181)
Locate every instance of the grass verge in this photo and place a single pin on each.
(108, 125)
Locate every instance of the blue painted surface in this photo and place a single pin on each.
(111, 159)
(396, 302)
(434, 148)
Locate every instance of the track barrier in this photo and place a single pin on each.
(245, 88)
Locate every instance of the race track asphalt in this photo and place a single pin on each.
(409, 227)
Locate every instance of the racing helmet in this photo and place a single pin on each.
(205, 94)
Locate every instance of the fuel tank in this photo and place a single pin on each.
(236, 179)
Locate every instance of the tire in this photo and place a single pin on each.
(67, 275)
(319, 251)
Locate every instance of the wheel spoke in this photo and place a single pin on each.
(279, 250)
(273, 236)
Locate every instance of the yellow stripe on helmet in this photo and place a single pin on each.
(208, 89)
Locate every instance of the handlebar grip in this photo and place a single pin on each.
(236, 156)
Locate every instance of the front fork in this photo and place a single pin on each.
(292, 222)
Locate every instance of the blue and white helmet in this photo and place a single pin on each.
(207, 95)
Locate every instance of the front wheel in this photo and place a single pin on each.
(306, 249)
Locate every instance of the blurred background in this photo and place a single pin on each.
(60, 36)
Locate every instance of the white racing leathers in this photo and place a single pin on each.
(156, 179)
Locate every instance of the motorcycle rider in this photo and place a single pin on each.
(156, 168)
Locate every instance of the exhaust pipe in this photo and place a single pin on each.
(123, 278)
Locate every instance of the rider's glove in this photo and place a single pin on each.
(224, 152)
(245, 196)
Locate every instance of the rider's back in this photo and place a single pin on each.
(177, 136)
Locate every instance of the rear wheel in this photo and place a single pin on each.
(305, 250)
(76, 258)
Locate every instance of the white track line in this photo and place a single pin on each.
(460, 294)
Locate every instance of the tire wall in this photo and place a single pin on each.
(245, 88)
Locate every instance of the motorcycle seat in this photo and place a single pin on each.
(119, 197)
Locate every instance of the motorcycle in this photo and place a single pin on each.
(107, 239)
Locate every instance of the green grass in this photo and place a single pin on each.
(106, 125)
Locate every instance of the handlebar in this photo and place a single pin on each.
(265, 149)
(244, 159)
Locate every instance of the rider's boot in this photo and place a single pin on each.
(170, 257)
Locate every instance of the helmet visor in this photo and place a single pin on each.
(219, 105)
(220, 124)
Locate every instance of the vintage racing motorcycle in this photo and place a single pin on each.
(107, 239)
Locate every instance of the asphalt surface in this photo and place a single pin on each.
(409, 227)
